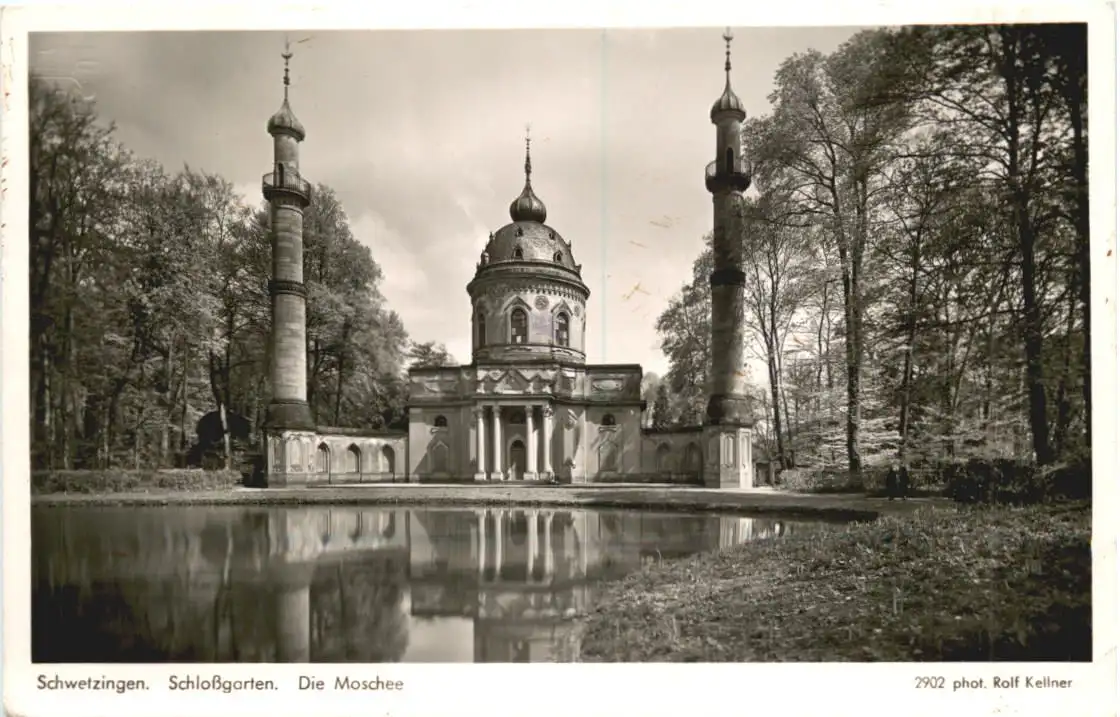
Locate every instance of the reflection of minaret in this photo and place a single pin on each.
(728, 464)
(292, 611)
(289, 427)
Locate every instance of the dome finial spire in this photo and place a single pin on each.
(528, 207)
(528, 158)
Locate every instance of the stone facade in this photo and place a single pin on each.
(527, 407)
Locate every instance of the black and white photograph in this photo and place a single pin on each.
(724, 343)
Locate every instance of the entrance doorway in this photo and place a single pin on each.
(517, 460)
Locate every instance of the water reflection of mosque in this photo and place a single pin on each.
(348, 584)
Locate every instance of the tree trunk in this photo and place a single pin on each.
(1076, 102)
(772, 367)
(338, 393)
(852, 365)
(1065, 404)
(220, 400)
(184, 441)
(169, 405)
(1032, 334)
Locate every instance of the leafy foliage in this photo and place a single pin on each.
(916, 251)
(150, 309)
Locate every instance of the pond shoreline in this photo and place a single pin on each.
(636, 497)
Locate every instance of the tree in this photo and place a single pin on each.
(775, 260)
(150, 306)
(430, 355)
(826, 145)
(662, 409)
(685, 333)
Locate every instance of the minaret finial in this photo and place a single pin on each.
(727, 38)
(528, 160)
(287, 55)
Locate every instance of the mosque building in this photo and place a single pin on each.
(528, 407)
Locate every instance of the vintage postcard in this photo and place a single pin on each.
(353, 357)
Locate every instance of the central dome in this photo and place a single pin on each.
(528, 207)
(529, 241)
(527, 238)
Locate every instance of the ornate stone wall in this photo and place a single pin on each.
(439, 441)
(543, 302)
(350, 457)
(598, 384)
(673, 456)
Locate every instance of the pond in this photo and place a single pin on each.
(341, 584)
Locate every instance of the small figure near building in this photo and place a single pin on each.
(898, 481)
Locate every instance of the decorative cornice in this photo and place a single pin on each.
(284, 286)
(727, 277)
(329, 431)
(540, 279)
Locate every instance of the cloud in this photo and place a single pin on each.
(421, 135)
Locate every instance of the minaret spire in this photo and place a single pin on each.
(287, 55)
(727, 38)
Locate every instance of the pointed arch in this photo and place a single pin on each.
(518, 326)
(441, 457)
(692, 459)
(608, 454)
(388, 460)
(562, 329)
(352, 460)
(323, 459)
(664, 458)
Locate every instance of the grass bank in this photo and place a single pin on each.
(942, 583)
(89, 482)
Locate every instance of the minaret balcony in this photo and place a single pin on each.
(732, 173)
(276, 184)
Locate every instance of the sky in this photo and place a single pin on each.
(421, 134)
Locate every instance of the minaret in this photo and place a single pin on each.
(729, 463)
(289, 428)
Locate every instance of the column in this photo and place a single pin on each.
(549, 564)
(533, 542)
(482, 542)
(530, 444)
(496, 417)
(480, 467)
(546, 409)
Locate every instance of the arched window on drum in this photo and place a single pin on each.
(518, 326)
(563, 331)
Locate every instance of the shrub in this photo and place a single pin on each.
(999, 481)
(815, 480)
(121, 481)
